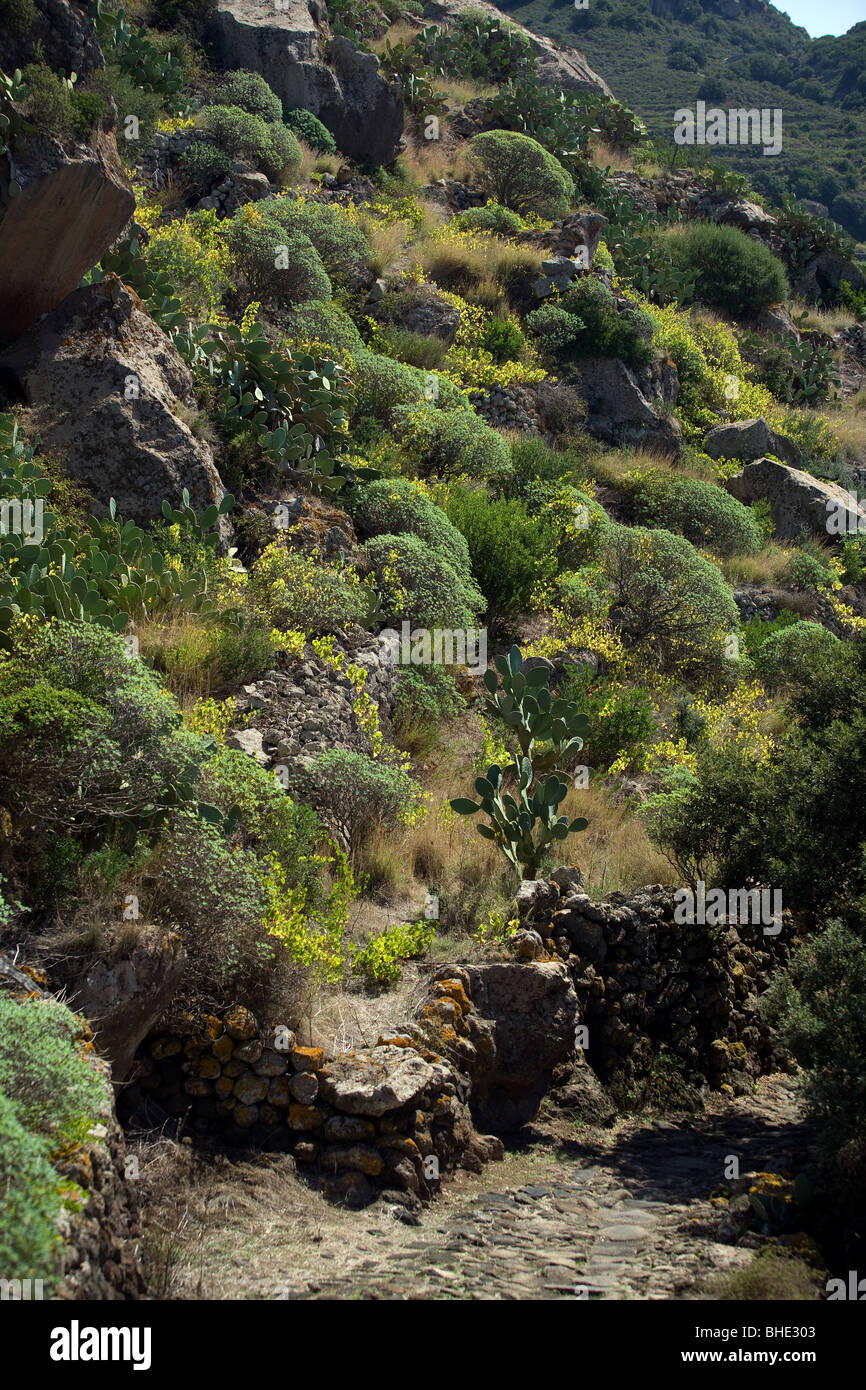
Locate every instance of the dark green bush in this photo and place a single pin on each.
(490, 218)
(513, 554)
(623, 718)
(251, 93)
(520, 173)
(669, 601)
(391, 506)
(270, 147)
(279, 266)
(32, 1199)
(610, 330)
(792, 656)
(55, 1093)
(309, 128)
(503, 339)
(702, 512)
(423, 695)
(421, 584)
(733, 272)
(205, 163)
(558, 331)
(342, 246)
(356, 794)
(380, 385)
(452, 442)
(321, 321)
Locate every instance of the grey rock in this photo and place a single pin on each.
(799, 503)
(749, 440)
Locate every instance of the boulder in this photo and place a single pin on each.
(101, 385)
(799, 503)
(627, 405)
(749, 440)
(825, 273)
(123, 994)
(776, 319)
(348, 93)
(72, 205)
(533, 1011)
(421, 310)
(55, 32)
(375, 1082)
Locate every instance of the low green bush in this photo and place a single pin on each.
(250, 92)
(279, 266)
(357, 794)
(504, 340)
(204, 163)
(733, 272)
(380, 385)
(792, 656)
(452, 443)
(492, 217)
(322, 322)
(293, 593)
(271, 147)
(391, 506)
(421, 584)
(521, 174)
(513, 554)
(702, 512)
(341, 244)
(309, 128)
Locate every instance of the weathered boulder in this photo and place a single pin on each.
(799, 503)
(627, 405)
(825, 273)
(749, 440)
(72, 205)
(348, 93)
(55, 32)
(533, 1010)
(420, 309)
(123, 994)
(374, 1082)
(101, 385)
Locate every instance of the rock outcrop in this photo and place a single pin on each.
(346, 90)
(72, 205)
(627, 405)
(749, 440)
(102, 386)
(799, 503)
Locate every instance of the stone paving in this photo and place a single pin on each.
(634, 1218)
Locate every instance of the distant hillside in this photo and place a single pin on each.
(659, 55)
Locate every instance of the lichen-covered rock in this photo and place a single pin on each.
(347, 92)
(799, 502)
(749, 440)
(374, 1082)
(103, 386)
(628, 405)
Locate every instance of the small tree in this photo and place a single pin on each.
(547, 731)
(520, 174)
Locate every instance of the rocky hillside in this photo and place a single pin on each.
(432, 594)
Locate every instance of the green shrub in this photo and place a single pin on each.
(513, 554)
(292, 592)
(357, 794)
(702, 512)
(380, 385)
(32, 1199)
(792, 656)
(251, 93)
(808, 568)
(420, 583)
(379, 960)
(424, 695)
(88, 738)
(609, 330)
(271, 147)
(756, 632)
(773, 1275)
(623, 717)
(733, 272)
(196, 264)
(558, 331)
(278, 266)
(503, 339)
(452, 443)
(341, 244)
(519, 173)
(205, 163)
(819, 1006)
(392, 506)
(670, 602)
(490, 218)
(130, 100)
(55, 1093)
(321, 322)
(309, 128)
